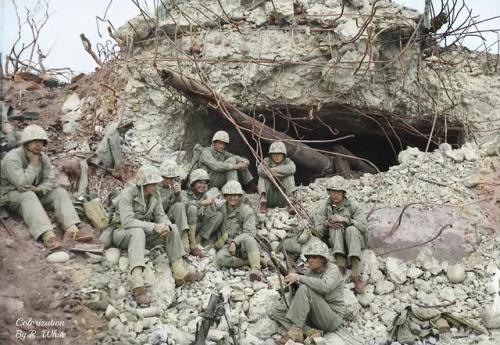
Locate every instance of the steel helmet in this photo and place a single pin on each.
(148, 174)
(198, 175)
(232, 187)
(316, 247)
(33, 132)
(221, 136)
(169, 168)
(277, 147)
(336, 183)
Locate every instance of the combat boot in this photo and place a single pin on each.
(141, 297)
(263, 205)
(254, 261)
(359, 284)
(74, 234)
(52, 243)
(295, 334)
(193, 245)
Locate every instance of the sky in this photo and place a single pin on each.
(70, 18)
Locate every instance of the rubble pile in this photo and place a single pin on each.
(466, 286)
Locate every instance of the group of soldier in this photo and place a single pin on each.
(155, 210)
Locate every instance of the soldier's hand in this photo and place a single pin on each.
(240, 166)
(177, 188)
(232, 248)
(34, 189)
(209, 200)
(162, 229)
(341, 219)
(291, 278)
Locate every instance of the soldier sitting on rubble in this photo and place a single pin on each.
(236, 236)
(343, 222)
(282, 169)
(318, 305)
(203, 216)
(140, 221)
(223, 166)
(27, 185)
(173, 201)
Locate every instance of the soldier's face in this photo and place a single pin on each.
(150, 189)
(277, 157)
(315, 262)
(219, 146)
(232, 199)
(35, 146)
(336, 196)
(200, 186)
(168, 181)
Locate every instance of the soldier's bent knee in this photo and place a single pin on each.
(60, 192)
(137, 233)
(192, 211)
(28, 196)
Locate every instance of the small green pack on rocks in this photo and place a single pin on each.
(95, 212)
(414, 323)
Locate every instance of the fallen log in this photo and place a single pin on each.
(318, 163)
(356, 164)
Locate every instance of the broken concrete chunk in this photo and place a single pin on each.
(112, 255)
(59, 257)
(456, 273)
(72, 103)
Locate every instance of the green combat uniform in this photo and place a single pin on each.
(206, 219)
(109, 150)
(137, 217)
(286, 169)
(17, 172)
(220, 165)
(173, 204)
(318, 303)
(238, 227)
(9, 139)
(348, 239)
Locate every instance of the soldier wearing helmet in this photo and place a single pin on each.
(223, 166)
(318, 305)
(282, 169)
(342, 222)
(236, 241)
(204, 217)
(27, 184)
(173, 201)
(140, 221)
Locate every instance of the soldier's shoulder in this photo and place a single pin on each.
(246, 209)
(12, 155)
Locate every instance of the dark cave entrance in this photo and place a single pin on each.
(374, 136)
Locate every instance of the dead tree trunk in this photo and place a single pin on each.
(318, 163)
(356, 164)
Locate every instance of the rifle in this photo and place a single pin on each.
(212, 315)
(283, 270)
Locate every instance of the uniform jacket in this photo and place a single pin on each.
(16, 172)
(329, 284)
(135, 211)
(212, 160)
(348, 208)
(286, 168)
(238, 221)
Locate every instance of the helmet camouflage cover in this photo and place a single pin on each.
(198, 175)
(316, 247)
(221, 136)
(148, 174)
(169, 168)
(33, 132)
(232, 187)
(277, 147)
(336, 183)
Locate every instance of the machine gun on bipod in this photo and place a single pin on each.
(212, 315)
